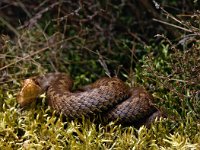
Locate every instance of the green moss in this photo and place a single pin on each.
(169, 73)
(38, 127)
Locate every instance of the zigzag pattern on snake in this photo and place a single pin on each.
(110, 97)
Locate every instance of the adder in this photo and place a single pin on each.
(109, 97)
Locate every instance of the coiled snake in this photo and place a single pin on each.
(109, 97)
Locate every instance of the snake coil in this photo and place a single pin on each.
(110, 97)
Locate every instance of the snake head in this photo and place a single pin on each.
(29, 92)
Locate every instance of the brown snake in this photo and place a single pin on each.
(109, 97)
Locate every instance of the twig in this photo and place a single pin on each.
(23, 58)
(173, 25)
(9, 26)
(103, 64)
(37, 52)
(33, 20)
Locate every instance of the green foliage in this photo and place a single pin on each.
(169, 76)
(38, 127)
(168, 71)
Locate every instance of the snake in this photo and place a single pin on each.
(109, 97)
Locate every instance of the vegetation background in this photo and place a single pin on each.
(154, 44)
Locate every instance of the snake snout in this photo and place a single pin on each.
(29, 92)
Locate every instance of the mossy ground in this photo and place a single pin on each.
(172, 78)
(88, 50)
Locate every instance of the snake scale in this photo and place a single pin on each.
(109, 97)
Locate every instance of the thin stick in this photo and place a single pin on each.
(37, 52)
(103, 64)
(23, 58)
(9, 26)
(173, 25)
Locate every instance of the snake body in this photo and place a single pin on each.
(110, 97)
